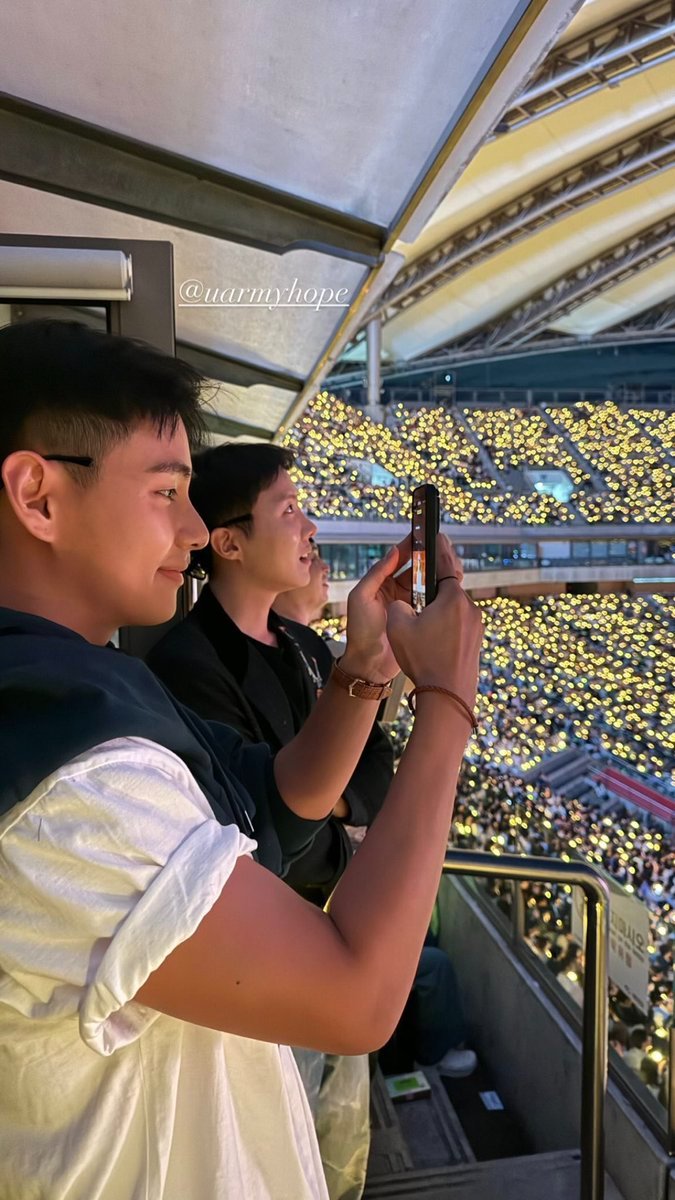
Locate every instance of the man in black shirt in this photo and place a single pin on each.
(236, 660)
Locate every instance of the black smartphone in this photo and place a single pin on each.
(426, 515)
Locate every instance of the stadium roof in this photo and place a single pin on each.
(296, 142)
(563, 225)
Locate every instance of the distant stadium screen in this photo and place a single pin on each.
(550, 482)
(371, 472)
(381, 477)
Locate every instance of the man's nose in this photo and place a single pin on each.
(194, 534)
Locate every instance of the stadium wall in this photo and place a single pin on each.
(649, 365)
(534, 1055)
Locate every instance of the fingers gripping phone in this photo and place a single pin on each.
(425, 526)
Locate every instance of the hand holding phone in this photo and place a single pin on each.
(425, 525)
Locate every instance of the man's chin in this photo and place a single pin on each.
(155, 614)
(291, 583)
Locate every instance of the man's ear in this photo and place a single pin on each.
(29, 488)
(227, 542)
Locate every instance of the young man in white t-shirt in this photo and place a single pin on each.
(153, 970)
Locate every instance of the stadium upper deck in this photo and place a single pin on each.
(512, 466)
(560, 230)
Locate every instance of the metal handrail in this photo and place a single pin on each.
(527, 868)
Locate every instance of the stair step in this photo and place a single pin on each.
(554, 1176)
(413, 1134)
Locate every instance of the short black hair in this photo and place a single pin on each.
(69, 389)
(619, 1032)
(226, 483)
(638, 1037)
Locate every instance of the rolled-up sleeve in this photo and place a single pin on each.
(111, 864)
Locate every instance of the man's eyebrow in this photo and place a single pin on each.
(170, 468)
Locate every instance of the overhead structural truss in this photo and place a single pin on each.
(632, 43)
(656, 320)
(628, 162)
(540, 311)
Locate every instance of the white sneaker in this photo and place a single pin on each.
(457, 1063)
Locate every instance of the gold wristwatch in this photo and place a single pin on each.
(361, 689)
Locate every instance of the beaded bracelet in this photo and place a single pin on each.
(457, 700)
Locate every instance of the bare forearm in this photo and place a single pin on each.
(383, 903)
(265, 964)
(314, 769)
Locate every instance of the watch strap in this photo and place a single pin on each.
(360, 689)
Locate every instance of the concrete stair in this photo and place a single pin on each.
(501, 477)
(567, 772)
(553, 1176)
(597, 479)
(419, 1151)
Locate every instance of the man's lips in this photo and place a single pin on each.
(174, 573)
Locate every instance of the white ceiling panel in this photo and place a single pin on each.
(343, 104)
(650, 287)
(288, 338)
(259, 406)
(594, 13)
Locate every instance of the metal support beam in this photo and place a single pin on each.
(532, 318)
(628, 45)
(228, 427)
(374, 332)
(659, 319)
(48, 150)
(151, 315)
(629, 161)
(235, 370)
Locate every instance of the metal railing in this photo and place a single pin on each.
(594, 1023)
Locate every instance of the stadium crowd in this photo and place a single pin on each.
(620, 462)
(624, 447)
(498, 811)
(501, 813)
(516, 439)
(593, 671)
(597, 671)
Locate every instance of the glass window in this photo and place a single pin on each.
(350, 561)
(340, 559)
(366, 556)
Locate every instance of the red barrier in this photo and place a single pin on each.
(638, 793)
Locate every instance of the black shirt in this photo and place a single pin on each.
(209, 664)
(284, 663)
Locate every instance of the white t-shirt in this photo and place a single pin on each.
(107, 866)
